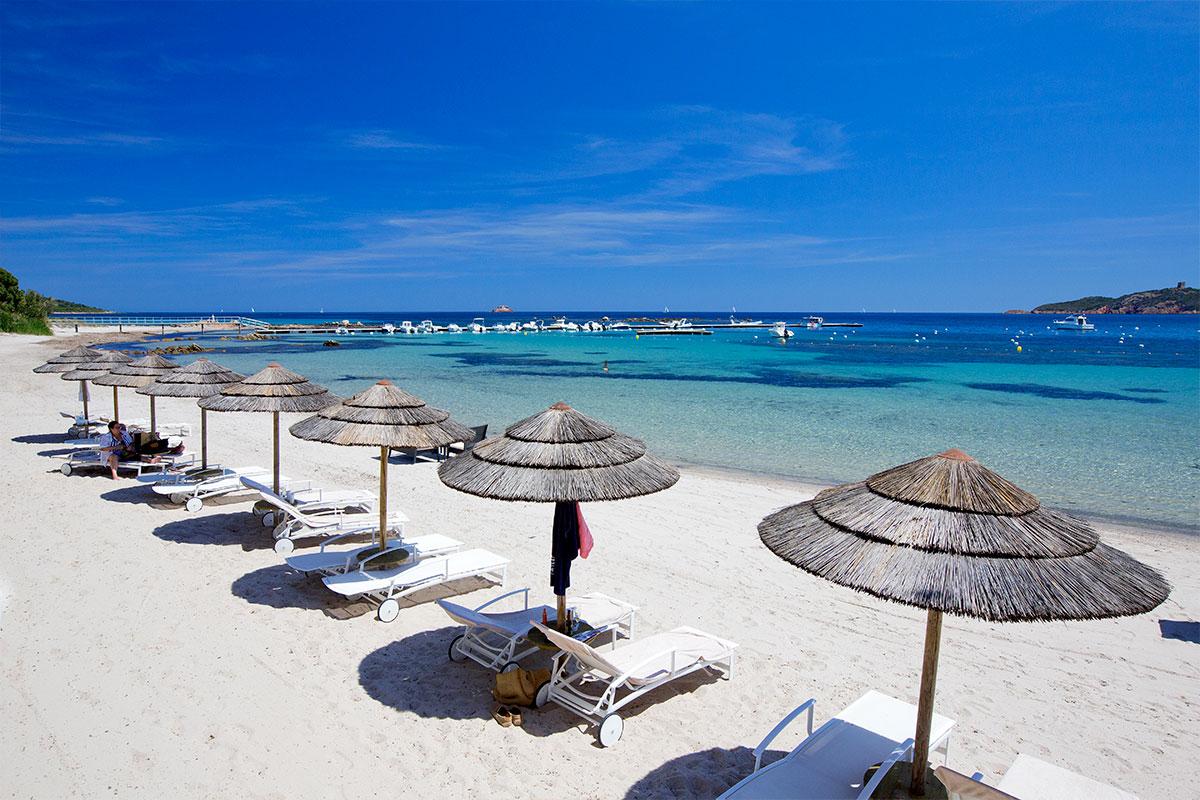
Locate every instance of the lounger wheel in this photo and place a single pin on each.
(611, 728)
(457, 655)
(194, 504)
(389, 609)
(510, 666)
(542, 696)
(65, 469)
(284, 546)
(268, 519)
(178, 499)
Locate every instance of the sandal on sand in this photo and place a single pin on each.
(503, 715)
(515, 713)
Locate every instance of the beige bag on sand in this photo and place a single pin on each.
(519, 687)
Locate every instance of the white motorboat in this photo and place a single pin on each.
(389, 328)
(734, 322)
(814, 322)
(426, 326)
(407, 327)
(1074, 322)
(675, 324)
(620, 326)
(531, 327)
(477, 326)
(571, 327)
(341, 331)
(592, 325)
(559, 324)
(452, 328)
(781, 331)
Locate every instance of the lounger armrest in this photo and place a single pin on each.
(807, 705)
(494, 600)
(884, 768)
(332, 539)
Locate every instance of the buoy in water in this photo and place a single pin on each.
(1018, 348)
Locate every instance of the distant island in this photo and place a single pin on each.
(23, 311)
(502, 309)
(65, 306)
(1176, 300)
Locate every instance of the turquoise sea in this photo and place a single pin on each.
(1105, 422)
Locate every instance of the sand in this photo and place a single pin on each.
(148, 652)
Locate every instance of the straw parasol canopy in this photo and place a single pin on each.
(71, 359)
(136, 374)
(68, 361)
(96, 367)
(273, 390)
(201, 378)
(559, 456)
(386, 417)
(946, 534)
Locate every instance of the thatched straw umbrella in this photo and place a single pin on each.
(201, 378)
(68, 361)
(563, 457)
(386, 417)
(946, 534)
(273, 389)
(90, 370)
(136, 374)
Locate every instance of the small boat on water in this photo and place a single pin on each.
(389, 328)
(452, 328)
(814, 322)
(1074, 322)
(781, 331)
(734, 322)
(819, 322)
(500, 327)
(501, 309)
(426, 326)
(559, 324)
(477, 326)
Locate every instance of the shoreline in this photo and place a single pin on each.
(803, 485)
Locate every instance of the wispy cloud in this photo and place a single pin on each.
(385, 140)
(77, 140)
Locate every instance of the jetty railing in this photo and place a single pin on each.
(120, 321)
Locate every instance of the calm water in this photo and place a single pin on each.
(1105, 421)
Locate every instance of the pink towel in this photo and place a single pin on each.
(585, 535)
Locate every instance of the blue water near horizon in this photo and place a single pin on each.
(1104, 422)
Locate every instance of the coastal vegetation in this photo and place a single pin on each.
(1176, 300)
(24, 311)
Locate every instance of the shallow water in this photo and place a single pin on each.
(1104, 422)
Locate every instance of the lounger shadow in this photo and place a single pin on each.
(40, 438)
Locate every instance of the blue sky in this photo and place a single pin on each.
(617, 156)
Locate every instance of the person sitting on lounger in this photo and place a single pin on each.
(117, 445)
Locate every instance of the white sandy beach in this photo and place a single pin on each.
(148, 652)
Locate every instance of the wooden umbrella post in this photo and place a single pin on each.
(383, 465)
(116, 408)
(275, 463)
(561, 618)
(933, 643)
(87, 421)
(153, 421)
(204, 438)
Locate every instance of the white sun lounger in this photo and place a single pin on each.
(92, 457)
(495, 639)
(306, 497)
(336, 562)
(587, 683)
(1030, 778)
(829, 764)
(192, 487)
(388, 586)
(301, 521)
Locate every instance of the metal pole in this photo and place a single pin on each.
(383, 465)
(204, 438)
(933, 643)
(275, 415)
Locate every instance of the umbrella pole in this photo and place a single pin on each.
(933, 643)
(87, 422)
(116, 408)
(383, 462)
(204, 438)
(275, 418)
(153, 425)
(561, 614)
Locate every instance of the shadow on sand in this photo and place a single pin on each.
(220, 529)
(40, 438)
(1178, 629)
(703, 774)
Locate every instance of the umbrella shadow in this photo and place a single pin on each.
(416, 676)
(1179, 629)
(217, 529)
(40, 438)
(703, 774)
(279, 586)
